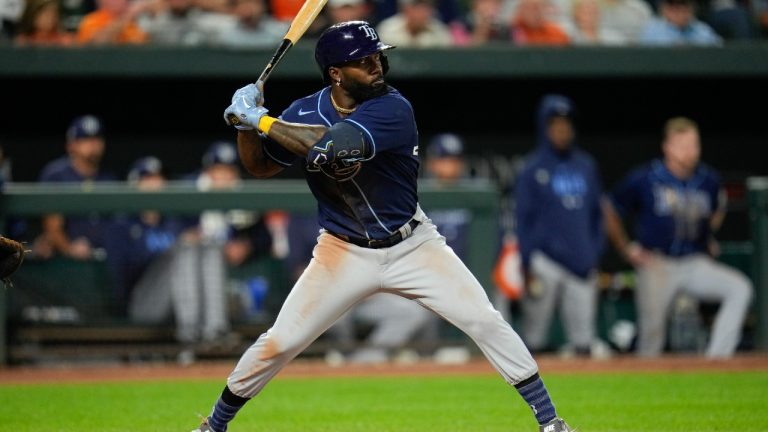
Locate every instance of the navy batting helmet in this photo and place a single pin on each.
(348, 41)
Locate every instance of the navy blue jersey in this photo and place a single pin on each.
(557, 200)
(453, 224)
(133, 244)
(671, 215)
(92, 227)
(369, 198)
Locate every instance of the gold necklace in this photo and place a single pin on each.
(340, 109)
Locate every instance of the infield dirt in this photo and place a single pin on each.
(312, 368)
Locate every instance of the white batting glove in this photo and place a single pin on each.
(246, 107)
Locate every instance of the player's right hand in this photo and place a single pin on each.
(251, 92)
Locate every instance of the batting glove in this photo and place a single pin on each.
(251, 92)
(247, 107)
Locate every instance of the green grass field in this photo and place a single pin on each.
(734, 401)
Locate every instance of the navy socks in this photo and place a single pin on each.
(537, 397)
(225, 410)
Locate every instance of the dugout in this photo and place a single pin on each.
(168, 102)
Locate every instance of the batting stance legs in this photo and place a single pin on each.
(340, 275)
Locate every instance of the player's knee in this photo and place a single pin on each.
(743, 290)
(484, 325)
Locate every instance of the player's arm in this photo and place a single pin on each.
(297, 138)
(252, 155)
(316, 143)
(59, 241)
(247, 107)
(718, 216)
(53, 228)
(716, 221)
(614, 227)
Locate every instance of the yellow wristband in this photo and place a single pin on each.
(265, 123)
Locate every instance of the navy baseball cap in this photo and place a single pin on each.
(445, 145)
(148, 165)
(85, 127)
(220, 152)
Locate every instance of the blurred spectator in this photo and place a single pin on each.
(217, 6)
(560, 233)
(10, 14)
(255, 28)
(114, 22)
(181, 22)
(41, 25)
(484, 23)
(349, 10)
(626, 17)
(78, 237)
(730, 19)
(286, 10)
(531, 25)
(447, 11)
(588, 27)
(677, 25)
(73, 11)
(759, 10)
(677, 204)
(415, 26)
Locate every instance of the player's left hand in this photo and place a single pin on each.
(249, 115)
(247, 106)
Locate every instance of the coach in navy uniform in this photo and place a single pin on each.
(560, 232)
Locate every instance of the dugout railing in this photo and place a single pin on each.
(32, 200)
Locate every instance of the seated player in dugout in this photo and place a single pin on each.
(358, 143)
(677, 204)
(77, 237)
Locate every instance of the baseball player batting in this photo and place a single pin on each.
(356, 139)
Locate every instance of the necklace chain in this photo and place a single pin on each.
(340, 109)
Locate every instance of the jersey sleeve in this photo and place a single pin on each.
(626, 194)
(387, 123)
(279, 154)
(717, 192)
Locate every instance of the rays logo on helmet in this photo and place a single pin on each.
(369, 32)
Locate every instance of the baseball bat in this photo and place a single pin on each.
(301, 22)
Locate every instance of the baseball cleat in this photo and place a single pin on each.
(556, 425)
(204, 426)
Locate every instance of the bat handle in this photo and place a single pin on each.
(233, 120)
(279, 53)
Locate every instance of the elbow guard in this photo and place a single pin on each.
(342, 143)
